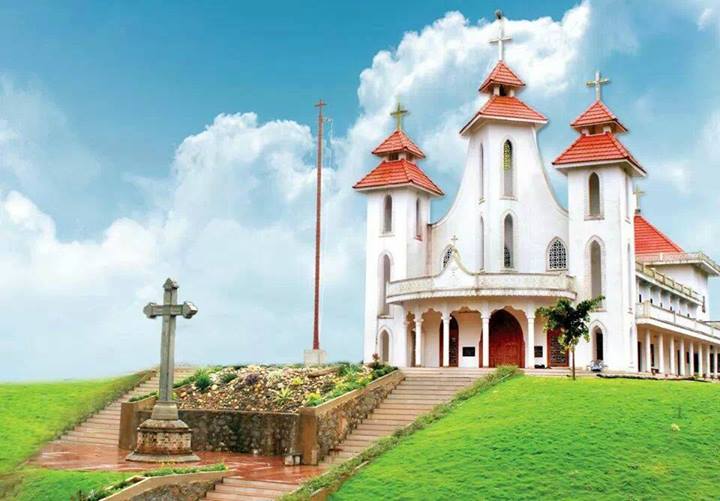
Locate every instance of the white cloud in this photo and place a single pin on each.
(235, 220)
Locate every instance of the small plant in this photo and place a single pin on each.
(227, 377)
(202, 381)
(376, 363)
(313, 399)
(283, 396)
(296, 381)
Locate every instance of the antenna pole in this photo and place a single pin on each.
(318, 203)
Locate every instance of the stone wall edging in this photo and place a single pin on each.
(150, 483)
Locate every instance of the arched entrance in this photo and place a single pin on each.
(507, 345)
(454, 340)
(384, 347)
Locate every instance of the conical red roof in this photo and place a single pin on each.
(396, 173)
(596, 148)
(597, 114)
(501, 74)
(397, 142)
(508, 108)
(650, 240)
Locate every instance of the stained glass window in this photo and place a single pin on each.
(557, 256)
(507, 169)
(507, 259)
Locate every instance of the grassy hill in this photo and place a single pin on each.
(551, 438)
(34, 413)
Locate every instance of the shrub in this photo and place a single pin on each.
(313, 399)
(376, 363)
(202, 381)
(296, 381)
(251, 379)
(227, 377)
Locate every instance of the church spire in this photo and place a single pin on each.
(501, 80)
(501, 37)
(598, 117)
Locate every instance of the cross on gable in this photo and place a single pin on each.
(501, 38)
(638, 195)
(398, 115)
(597, 83)
(454, 240)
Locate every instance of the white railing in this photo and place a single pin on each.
(669, 282)
(483, 284)
(649, 312)
(698, 258)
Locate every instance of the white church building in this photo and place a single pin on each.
(463, 291)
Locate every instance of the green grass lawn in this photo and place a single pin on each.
(552, 438)
(34, 413)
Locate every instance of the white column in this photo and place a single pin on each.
(418, 341)
(661, 353)
(486, 340)
(446, 339)
(682, 356)
(692, 358)
(700, 360)
(530, 345)
(648, 356)
(673, 354)
(707, 360)
(715, 354)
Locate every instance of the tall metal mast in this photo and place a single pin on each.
(318, 203)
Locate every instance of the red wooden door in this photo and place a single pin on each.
(507, 345)
(557, 356)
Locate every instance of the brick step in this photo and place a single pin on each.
(100, 436)
(436, 390)
(438, 382)
(369, 436)
(255, 491)
(407, 407)
(395, 414)
(388, 420)
(98, 429)
(103, 419)
(224, 496)
(260, 484)
(355, 449)
(88, 440)
(381, 428)
(416, 401)
(356, 442)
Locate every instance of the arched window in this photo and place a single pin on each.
(418, 220)
(594, 194)
(383, 307)
(481, 254)
(387, 214)
(446, 257)
(599, 349)
(508, 169)
(481, 174)
(557, 255)
(384, 346)
(596, 272)
(508, 244)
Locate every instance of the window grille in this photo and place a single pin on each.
(557, 256)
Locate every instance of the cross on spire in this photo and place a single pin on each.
(501, 38)
(398, 115)
(638, 195)
(597, 83)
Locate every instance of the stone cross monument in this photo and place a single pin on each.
(164, 438)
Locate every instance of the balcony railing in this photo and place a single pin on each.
(667, 281)
(458, 283)
(648, 313)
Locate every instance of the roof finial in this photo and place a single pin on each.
(398, 115)
(597, 83)
(501, 38)
(638, 195)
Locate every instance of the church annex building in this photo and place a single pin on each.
(463, 291)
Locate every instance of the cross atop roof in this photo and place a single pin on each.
(501, 38)
(398, 115)
(597, 83)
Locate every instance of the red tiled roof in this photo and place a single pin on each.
(501, 74)
(597, 114)
(397, 172)
(650, 240)
(396, 142)
(506, 107)
(595, 148)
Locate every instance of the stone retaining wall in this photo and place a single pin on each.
(186, 487)
(323, 427)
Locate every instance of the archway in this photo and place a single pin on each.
(454, 340)
(507, 345)
(384, 347)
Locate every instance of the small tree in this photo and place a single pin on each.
(570, 321)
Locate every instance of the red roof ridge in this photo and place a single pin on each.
(398, 172)
(596, 148)
(501, 74)
(596, 114)
(650, 240)
(507, 107)
(396, 142)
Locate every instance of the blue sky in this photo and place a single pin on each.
(172, 138)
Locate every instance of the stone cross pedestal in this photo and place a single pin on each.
(164, 438)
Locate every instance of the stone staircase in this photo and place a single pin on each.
(241, 489)
(103, 428)
(420, 391)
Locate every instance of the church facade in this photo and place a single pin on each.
(463, 291)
